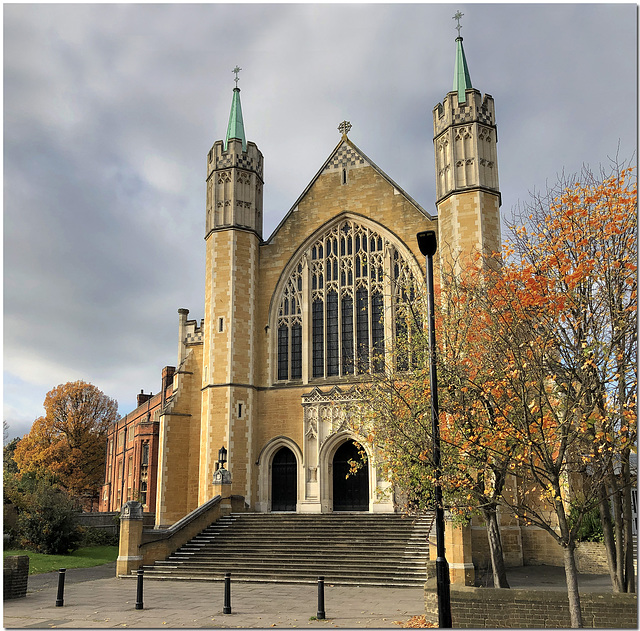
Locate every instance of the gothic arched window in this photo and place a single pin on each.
(290, 328)
(350, 279)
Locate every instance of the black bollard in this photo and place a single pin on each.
(320, 614)
(60, 598)
(227, 593)
(139, 603)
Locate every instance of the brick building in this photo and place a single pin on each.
(132, 451)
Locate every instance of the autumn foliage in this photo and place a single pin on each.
(68, 442)
(537, 373)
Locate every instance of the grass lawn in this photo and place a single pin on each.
(83, 557)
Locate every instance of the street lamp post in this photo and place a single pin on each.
(428, 245)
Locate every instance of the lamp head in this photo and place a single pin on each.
(427, 242)
(222, 456)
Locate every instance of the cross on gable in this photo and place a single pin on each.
(344, 127)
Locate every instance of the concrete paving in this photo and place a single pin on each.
(94, 598)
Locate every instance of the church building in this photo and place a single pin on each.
(294, 321)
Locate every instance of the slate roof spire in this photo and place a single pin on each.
(461, 77)
(236, 124)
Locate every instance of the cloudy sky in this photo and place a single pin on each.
(110, 110)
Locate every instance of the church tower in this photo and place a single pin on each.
(467, 191)
(233, 235)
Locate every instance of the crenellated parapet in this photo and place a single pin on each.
(193, 332)
(189, 334)
(476, 108)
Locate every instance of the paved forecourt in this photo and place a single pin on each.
(110, 602)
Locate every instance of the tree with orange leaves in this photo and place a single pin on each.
(68, 442)
(396, 414)
(538, 373)
(578, 243)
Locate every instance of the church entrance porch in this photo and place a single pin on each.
(284, 481)
(350, 488)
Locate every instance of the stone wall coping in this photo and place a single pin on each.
(166, 533)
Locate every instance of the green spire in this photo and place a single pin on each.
(236, 126)
(461, 78)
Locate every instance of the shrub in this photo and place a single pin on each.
(591, 526)
(98, 537)
(47, 521)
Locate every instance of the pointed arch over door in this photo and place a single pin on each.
(350, 490)
(284, 481)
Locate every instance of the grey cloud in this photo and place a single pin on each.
(110, 111)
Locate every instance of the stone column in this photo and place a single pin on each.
(222, 487)
(457, 543)
(129, 557)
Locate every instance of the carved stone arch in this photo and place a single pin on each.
(265, 458)
(334, 441)
(301, 252)
(325, 465)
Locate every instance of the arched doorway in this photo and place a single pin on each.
(350, 491)
(284, 481)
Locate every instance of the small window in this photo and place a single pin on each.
(344, 176)
(239, 410)
(144, 460)
(220, 325)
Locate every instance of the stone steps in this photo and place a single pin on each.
(345, 548)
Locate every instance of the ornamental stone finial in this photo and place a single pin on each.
(222, 476)
(457, 17)
(131, 510)
(344, 128)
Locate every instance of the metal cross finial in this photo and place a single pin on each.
(344, 127)
(457, 16)
(237, 69)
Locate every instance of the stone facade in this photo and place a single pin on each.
(245, 403)
(295, 322)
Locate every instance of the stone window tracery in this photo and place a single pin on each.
(349, 280)
(290, 328)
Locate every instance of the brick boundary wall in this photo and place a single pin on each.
(487, 608)
(15, 577)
